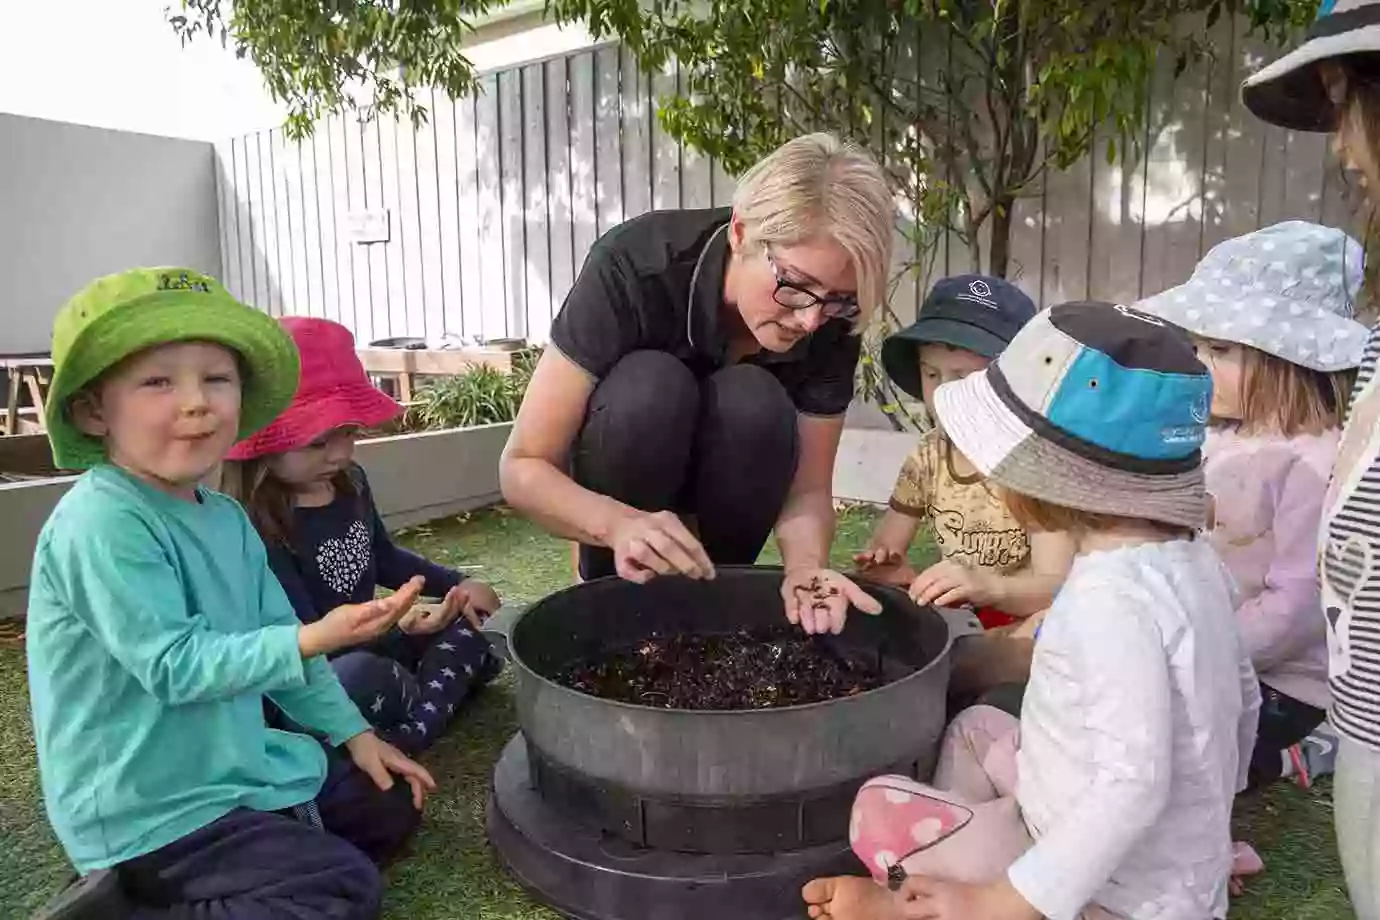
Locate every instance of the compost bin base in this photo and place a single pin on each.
(586, 874)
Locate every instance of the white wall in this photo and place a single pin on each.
(78, 202)
(118, 64)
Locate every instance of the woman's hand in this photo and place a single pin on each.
(647, 544)
(950, 584)
(818, 599)
(382, 762)
(885, 565)
(355, 624)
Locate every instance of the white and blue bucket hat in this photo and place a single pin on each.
(1092, 406)
(1289, 290)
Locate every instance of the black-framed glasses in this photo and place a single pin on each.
(794, 296)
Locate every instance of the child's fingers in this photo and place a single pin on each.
(408, 593)
(377, 772)
(418, 792)
(950, 598)
(472, 618)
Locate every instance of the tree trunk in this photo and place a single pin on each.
(999, 249)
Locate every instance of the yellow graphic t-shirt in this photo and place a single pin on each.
(971, 524)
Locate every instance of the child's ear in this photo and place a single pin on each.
(87, 414)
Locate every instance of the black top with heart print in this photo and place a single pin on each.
(341, 553)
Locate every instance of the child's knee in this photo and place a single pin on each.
(895, 816)
(365, 884)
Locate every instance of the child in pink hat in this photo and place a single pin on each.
(326, 542)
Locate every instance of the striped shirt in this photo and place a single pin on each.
(1350, 563)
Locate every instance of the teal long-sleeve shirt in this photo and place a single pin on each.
(155, 629)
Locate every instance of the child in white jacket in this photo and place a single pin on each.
(1111, 796)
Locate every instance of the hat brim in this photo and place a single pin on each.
(1338, 343)
(900, 358)
(1290, 92)
(306, 420)
(267, 352)
(1011, 454)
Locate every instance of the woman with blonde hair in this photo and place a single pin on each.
(1332, 83)
(692, 398)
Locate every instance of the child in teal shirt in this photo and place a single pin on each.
(156, 630)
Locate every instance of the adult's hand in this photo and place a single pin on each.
(818, 599)
(647, 544)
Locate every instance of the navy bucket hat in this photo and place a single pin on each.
(977, 313)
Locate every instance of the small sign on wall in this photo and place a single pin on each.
(366, 227)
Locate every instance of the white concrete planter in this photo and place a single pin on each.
(433, 474)
(415, 478)
(422, 477)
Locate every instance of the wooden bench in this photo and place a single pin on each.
(31, 372)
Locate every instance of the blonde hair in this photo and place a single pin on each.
(1036, 514)
(815, 185)
(1277, 395)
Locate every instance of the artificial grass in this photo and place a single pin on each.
(454, 874)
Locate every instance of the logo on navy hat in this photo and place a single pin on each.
(979, 291)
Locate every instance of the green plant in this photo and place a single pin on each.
(321, 57)
(482, 395)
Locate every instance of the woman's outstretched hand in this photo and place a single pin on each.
(818, 599)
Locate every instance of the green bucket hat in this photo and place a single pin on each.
(123, 314)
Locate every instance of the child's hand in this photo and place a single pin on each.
(481, 601)
(474, 600)
(949, 584)
(885, 565)
(382, 761)
(354, 624)
(818, 599)
(426, 619)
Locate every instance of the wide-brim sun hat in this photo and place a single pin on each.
(1290, 92)
(1094, 407)
(118, 316)
(334, 392)
(1288, 290)
(973, 312)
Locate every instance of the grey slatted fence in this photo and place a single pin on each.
(492, 206)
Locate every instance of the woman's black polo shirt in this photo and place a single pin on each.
(633, 294)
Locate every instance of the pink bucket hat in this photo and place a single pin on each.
(333, 392)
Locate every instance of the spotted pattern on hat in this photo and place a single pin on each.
(1288, 290)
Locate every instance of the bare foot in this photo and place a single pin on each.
(850, 897)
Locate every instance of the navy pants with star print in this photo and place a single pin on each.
(410, 687)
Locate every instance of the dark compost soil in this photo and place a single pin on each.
(745, 670)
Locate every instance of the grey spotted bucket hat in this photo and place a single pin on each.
(1288, 290)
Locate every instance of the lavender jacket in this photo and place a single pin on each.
(1267, 494)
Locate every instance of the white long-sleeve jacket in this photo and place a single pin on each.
(1136, 733)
